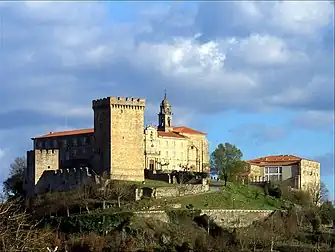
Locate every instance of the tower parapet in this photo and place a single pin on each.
(118, 101)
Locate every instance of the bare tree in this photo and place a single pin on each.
(19, 234)
(121, 189)
(318, 191)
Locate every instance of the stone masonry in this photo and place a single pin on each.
(226, 218)
(118, 132)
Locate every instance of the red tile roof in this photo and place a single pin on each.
(176, 133)
(169, 134)
(66, 133)
(187, 130)
(275, 160)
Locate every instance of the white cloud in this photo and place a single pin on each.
(266, 50)
(323, 120)
(302, 17)
(74, 53)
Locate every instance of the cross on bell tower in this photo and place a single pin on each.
(165, 115)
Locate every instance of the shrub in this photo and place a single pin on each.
(327, 213)
(275, 192)
(266, 189)
(178, 216)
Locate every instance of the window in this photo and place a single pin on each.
(182, 145)
(167, 143)
(55, 144)
(74, 142)
(273, 173)
(67, 156)
(84, 141)
(174, 154)
(167, 154)
(174, 143)
(181, 155)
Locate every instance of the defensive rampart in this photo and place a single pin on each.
(65, 179)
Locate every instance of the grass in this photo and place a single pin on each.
(233, 196)
(152, 183)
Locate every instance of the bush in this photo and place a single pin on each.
(314, 220)
(275, 192)
(271, 190)
(266, 189)
(96, 223)
(327, 213)
(178, 216)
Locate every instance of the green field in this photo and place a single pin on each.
(232, 196)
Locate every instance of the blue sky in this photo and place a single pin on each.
(257, 74)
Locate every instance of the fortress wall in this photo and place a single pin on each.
(64, 179)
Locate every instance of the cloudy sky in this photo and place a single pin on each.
(259, 75)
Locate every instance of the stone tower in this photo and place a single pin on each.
(118, 134)
(39, 161)
(165, 116)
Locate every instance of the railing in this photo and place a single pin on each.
(152, 152)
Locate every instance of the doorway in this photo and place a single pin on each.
(152, 165)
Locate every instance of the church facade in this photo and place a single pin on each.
(170, 148)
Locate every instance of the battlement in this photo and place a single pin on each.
(73, 171)
(118, 101)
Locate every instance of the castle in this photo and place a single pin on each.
(119, 144)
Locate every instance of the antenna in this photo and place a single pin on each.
(164, 93)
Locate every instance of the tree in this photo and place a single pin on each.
(13, 185)
(226, 160)
(318, 191)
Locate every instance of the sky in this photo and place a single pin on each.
(259, 75)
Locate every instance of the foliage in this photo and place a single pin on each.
(314, 219)
(97, 223)
(327, 213)
(178, 216)
(320, 193)
(226, 159)
(13, 185)
(272, 190)
(232, 196)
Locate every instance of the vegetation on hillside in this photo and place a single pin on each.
(100, 218)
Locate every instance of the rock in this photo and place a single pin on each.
(177, 205)
(165, 239)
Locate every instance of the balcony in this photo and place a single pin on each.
(152, 152)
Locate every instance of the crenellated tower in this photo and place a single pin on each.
(118, 137)
(165, 116)
(39, 161)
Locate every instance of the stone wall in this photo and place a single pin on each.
(177, 191)
(118, 131)
(39, 161)
(64, 179)
(310, 176)
(222, 217)
(149, 174)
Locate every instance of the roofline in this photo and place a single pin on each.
(198, 132)
(64, 132)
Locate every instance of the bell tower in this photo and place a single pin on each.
(165, 116)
